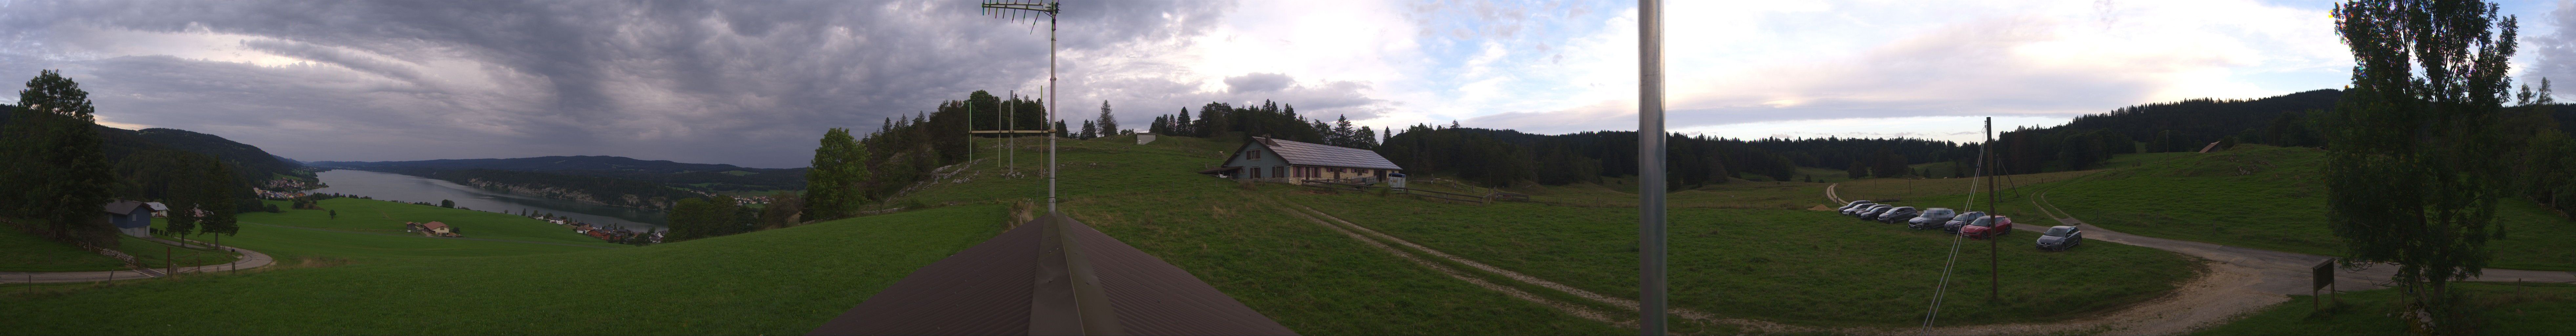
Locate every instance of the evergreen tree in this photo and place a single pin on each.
(1181, 125)
(1108, 123)
(2406, 177)
(832, 189)
(1342, 134)
(57, 175)
(1089, 130)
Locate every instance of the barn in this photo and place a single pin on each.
(130, 217)
(1272, 160)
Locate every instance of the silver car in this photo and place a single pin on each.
(1847, 209)
(1962, 220)
(1931, 219)
(2060, 238)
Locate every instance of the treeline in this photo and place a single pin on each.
(61, 166)
(1271, 119)
(1508, 157)
(747, 180)
(2188, 125)
(599, 190)
(720, 215)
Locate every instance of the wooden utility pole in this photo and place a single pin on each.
(1994, 272)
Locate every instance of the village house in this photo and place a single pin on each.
(158, 210)
(130, 217)
(1272, 160)
(434, 229)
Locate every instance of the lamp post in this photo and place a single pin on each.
(1028, 10)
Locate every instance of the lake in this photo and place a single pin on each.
(407, 188)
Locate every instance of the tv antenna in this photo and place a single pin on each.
(1015, 11)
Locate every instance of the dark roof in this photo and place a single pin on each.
(121, 207)
(1331, 156)
(1022, 282)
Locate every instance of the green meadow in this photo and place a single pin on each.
(2254, 196)
(783, 281)
(1747, 263)
(2496, 308)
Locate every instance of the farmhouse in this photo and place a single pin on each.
(434, 229)
(158, 209)
(130, 217)
(1273, 160)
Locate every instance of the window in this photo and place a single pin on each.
(1252, 154)
(1256, 172)
(1279, 172)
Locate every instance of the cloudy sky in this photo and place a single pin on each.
(753, 83)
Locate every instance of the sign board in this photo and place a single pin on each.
(2324, 273)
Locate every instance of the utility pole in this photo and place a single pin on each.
(1994, 272)
(1650, 168)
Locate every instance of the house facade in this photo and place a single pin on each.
(130, 217)
(1272, 160)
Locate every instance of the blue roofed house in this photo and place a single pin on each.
(1272, 160)
(130, 217)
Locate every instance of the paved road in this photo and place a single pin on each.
(250, 260)
(2282, 273)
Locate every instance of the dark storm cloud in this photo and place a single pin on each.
(740, 82)
(2555, 52)
(1258, 82)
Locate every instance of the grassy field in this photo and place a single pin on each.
(768, 282)
(2254, 196)
(1304, 276)
(24, 252)
(2500, 308)
(28, 253)
(371, 229)
(1750, 262)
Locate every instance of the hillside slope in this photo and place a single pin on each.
(769, 282)
(2263, 197)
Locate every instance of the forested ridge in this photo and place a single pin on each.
(697, 176)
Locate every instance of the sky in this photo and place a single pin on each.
(755, 83)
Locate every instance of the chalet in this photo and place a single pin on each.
(130, 217)
(440, 229)
(433, 229)
(158, 209)
(1273, 160)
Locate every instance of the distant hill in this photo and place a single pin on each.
(252, 163)
(697, 176)
(546, 163)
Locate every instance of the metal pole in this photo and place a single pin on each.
(1050, 105)
(1010, 122)
(1650, 168)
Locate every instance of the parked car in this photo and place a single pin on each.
(1856, 209)
(1953, 225)
(1931, 219)
(1898, 214)
(2060, 238)
(1847, 207)
(1989, 227)
(1873, 211)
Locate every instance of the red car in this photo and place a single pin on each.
(1987, 227)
